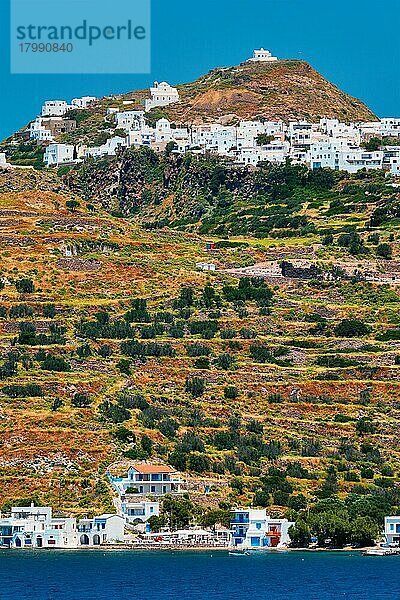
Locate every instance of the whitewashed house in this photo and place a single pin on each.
(130, 120)
(262, 55)
(248, 131)
(162, 94)
(35, 527)
(3, 160)
(143, 479)
(369, 129)
(54, 108)
(333, 128)
(253, 528)
(104, 529)
(391, 160)
(108, 149)
(390, 127)
(136, 511)
(205, 266)
(38, 132)
(340, 157)
(355, 159)
(392, 531)
(81, 103)
(274, 152)
(300, 133)
(163, 131)
(58, 154)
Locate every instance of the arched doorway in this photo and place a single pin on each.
(18, 543)
(84, 541)
(96, 540)
(39, 541)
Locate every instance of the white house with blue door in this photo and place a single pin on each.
(253, 528)
(392, 531)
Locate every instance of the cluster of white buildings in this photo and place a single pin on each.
(35, 527)
(252, 528)
(58, 108)
(328, 143)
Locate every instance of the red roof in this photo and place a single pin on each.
(153, 469)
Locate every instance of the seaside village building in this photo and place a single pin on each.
(58, 108)
(140, 490)
(253, 528)
(35, 527)
(392, 531)
(100, 530)
(156, 480)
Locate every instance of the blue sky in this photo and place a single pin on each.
(354, 43)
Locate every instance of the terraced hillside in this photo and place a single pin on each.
(272, 389)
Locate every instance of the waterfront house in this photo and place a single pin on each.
(136, 511)
(144, 480)
(253, 528)
(392, 531)
(35, 527)
(104, 529)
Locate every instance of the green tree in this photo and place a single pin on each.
(300, 534)
(195, 386)
(385, 251)
(24, 286)
(352, 328)
(147, 445)
(157, 522)
(263, 139)
(72, 205)
(178, 511)
(364, 532)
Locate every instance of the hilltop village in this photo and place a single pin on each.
(327, 143)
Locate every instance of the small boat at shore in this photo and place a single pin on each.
(382, 552)
(238, 553)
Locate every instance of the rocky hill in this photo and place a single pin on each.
(286, 89)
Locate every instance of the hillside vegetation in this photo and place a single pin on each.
(276, 391)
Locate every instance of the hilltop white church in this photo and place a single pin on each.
(262, 55)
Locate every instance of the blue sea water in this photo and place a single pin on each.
(128, 575)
